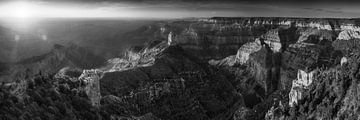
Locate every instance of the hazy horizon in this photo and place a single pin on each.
(157, 9)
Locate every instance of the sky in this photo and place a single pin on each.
(177, 8)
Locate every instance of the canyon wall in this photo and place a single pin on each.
(240, 68)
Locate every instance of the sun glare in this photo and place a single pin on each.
(21, 9)
(32, 9)
(18, 9)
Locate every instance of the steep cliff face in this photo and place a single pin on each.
(91, 79)
(299, 85)
(272, 39)
(241, 57)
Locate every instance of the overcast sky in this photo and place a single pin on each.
(179, 8)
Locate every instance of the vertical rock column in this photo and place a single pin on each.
(92, 88)
(299, 85)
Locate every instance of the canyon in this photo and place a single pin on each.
(220, 68)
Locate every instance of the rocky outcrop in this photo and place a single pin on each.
(242, 55)
(272, 39)
(343, 61)
(315, 36)
(302, 82)
(228, 61)
(91, 79)
(69, 73)
(348, 35)
(244, 52)
(303, 56)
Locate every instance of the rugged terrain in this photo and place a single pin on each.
(209, 68)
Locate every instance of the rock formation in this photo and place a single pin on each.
(91, 78)
(242, 55)
(272, 39)
(302, 82)
(343, 61)
(348, 34)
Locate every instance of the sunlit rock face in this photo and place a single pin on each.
(300, 84)
(315, 36)
(170, 37)
(343, 61)
(228, 61)
(349, 30)
(242, 55)
(272, 39)
(69, 73)
(349, 34)
(143, 58)
(244, 52)
(349, 25)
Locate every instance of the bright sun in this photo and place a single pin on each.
(18, 9)
(21, 9)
